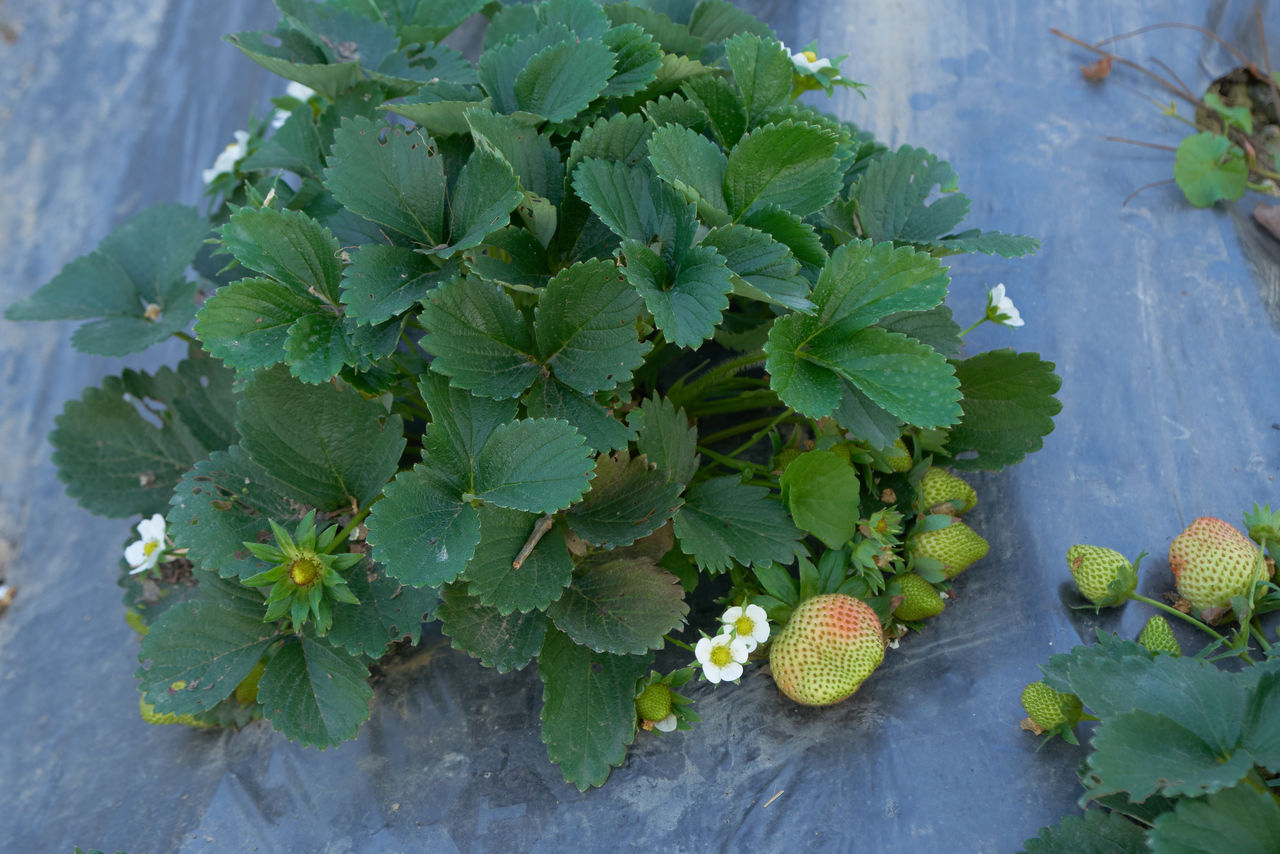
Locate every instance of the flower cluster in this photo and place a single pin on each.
(742, 630)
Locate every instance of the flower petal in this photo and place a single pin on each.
(731, 671)
(136, 554)
(702, 651)
(667, 724)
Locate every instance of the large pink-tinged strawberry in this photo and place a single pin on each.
(1212, 561)
(827, 649)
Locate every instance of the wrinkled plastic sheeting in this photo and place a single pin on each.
(1156, 314)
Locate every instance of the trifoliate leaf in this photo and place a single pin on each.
(479, 339)
(585, 327)
(762, 268)
(619, 604)
(550, 398)
(422, 531)
(863, 282)
(694, 165)
(122, 447)
(481, 202)
(246, 323)
(555, 82)
(724, 520)
(636, 206)
(383, 281)
(390, 175)
(1239, 820)
(287, 246)
(892, 193)
(464, 421)
(198, 651)
(1141, 753)
(721, 105)
(131, 288)
(763, 70)
(588, 707)
(224, 502)
(638, 58)
(619, 138)
(532, 157)
(313, 693)
(1209, 168)
(788, 164)
(502, 641)
(388, 612)
(1008, 408)
(332, 447)
(539, 465)
(666, 438)
(908, 379)
(686, 304)
(491, 575)
(822, 492)
(1096, 832)
(629, 499)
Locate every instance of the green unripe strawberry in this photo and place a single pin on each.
(1212, 561)
(1104, 576)
(949, 494)
(654, 703)
(1157, 636)
(827, 649)
(898, 456)
(919, 599)
(956, 547)
(1050, 709)
(785, 457)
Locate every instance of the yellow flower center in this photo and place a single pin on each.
(304, 571)
(744, 626)
(811, 56)
(150, 546)
(721, 656)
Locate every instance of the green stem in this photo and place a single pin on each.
(741, 403)
(981, 321)
(740, 465)
(678, 643)
(1259, 635)
(185, 337)
(761, 433)
(351, 526)
(708, 380)
(730, 432)
(1175, 612)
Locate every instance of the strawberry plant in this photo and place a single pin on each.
(1186, 753)
(533, 346)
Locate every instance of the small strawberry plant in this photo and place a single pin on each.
(1186, 753)
(534, 346)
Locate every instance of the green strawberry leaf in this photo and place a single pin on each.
(287, 246)
(390, 175)
(762, 268)
(717, 20)
(536, 465)
(1008, 408)
(492, 578)
(695, 166)
(619, 138)
(532, 157)
(504, 642)
(481, 202)
(721, 106)
(585, 327)
(1239, 820)
(629, 499)
(687, 304)
(247, 322)
(478, 339)
(791, 231)
(441, 109)
(463, 421)
(122, 447)
(131, 288)
(1261, 736)
(638, 59)
(208, 643)
(788, 164)
(1209, 168)
(892, 193)
(672, 36)
(511, 256)
(420, 21)
(987, 243)
(550, 398)
(763, 70)
(332, 447)
(619, 603)
(724, 520)
(422, 531)
(293, 56)
(933, 327)
(313, 693)
(388, 612)
(637, 206)
(383, 281)
(666, 438)
(1096, 832)
(588, 707)
(822, 492)
(560, 81)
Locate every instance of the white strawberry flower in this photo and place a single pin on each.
(750, 624)
(146, 552)
(721, 657)
(296, 91)
(667, 724)
(1001, 309)
(228, 158)
(807, 60)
